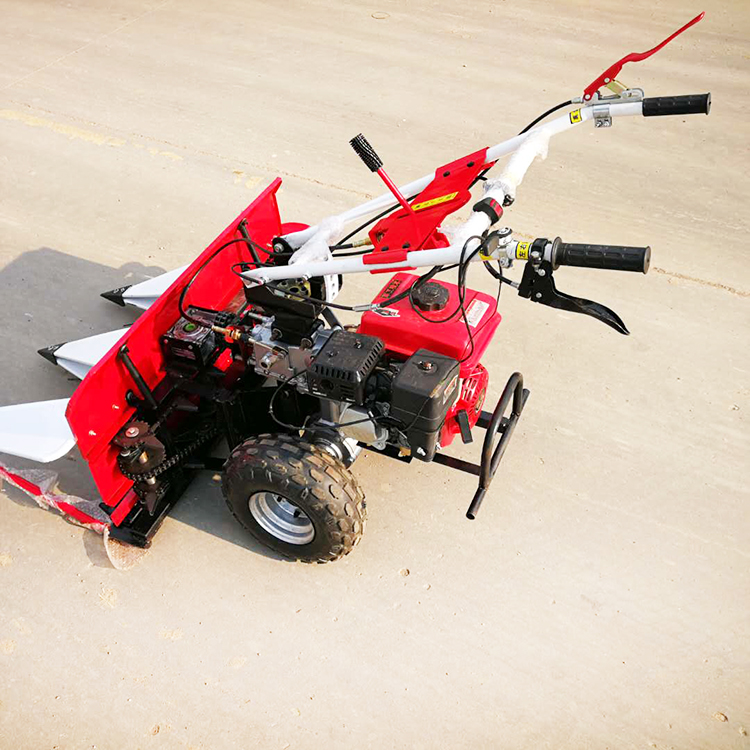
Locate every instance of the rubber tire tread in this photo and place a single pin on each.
(312, 479)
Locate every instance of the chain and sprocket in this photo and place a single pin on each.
(143, 459)
(165, 464)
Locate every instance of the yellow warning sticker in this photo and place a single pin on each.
(433, 202)
(575, 116)
(522, 250)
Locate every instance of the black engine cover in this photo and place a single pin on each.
(423, 392)
(343, 365)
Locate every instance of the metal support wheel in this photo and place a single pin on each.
(281, 518)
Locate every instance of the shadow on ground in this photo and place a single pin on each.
(53, 298)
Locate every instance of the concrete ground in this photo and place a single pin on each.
(601, 599)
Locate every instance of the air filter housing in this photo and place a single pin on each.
(343, 365)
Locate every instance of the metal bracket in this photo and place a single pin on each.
(601, 115)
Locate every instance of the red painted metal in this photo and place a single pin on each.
(98, 408)
(392, 270)
(406, 331)
(417, 229)
(470, 400)
(613, 70)
(391, 185)
(120, 513)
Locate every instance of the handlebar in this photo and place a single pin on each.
(690, 104)
(612, 257)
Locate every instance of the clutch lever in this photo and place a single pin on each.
(609, 76)
(538, 285)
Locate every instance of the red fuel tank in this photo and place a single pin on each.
(404, 330)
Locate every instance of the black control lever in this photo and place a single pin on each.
(538, 285)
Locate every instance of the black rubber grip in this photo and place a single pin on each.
(613, 257)
(366, 152)
(690, 104)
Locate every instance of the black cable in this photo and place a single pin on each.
(183, 294)
(342, 245)
(370, 221)
(309, 298)
(371, 418)
(303, 426)
(276, 392)
(462, 265)
(364, 251)
(288, 293)
(462, 268)
(481, 176)
(546, 114)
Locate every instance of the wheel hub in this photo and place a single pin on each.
(281, 518)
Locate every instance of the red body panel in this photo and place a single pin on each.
(98, 409)
(417, 229)
(470, 400)
(406, 331)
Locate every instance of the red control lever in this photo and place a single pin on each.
(610, 73)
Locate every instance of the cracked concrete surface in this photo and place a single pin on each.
(601, 598)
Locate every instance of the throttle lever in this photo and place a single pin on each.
(538, 285)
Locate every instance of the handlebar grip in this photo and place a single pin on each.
(366, 152)
(612, 257)
(690, 104)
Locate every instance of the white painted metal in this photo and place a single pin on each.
(558, 125)
(79, 356)
(477, 223)
(416, 259)
(37, 431)
(144, 295)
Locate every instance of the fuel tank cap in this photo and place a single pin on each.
(431, 296)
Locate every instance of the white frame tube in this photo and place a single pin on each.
(558, 125)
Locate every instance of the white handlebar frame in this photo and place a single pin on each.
(535, 141)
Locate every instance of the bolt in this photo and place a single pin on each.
(143, 458)
(542, 272)
(426, 366)
(538, 295)
(132, 432)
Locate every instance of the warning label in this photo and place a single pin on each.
(522, 250)
(433, 202)
(575, 116)
(475, 312)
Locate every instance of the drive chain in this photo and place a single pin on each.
(172, 461)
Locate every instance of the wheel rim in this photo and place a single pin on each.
(281, 518)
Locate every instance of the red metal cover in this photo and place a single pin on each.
(401, 232)
(470, 400)
(403, 331)
(98, 409)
